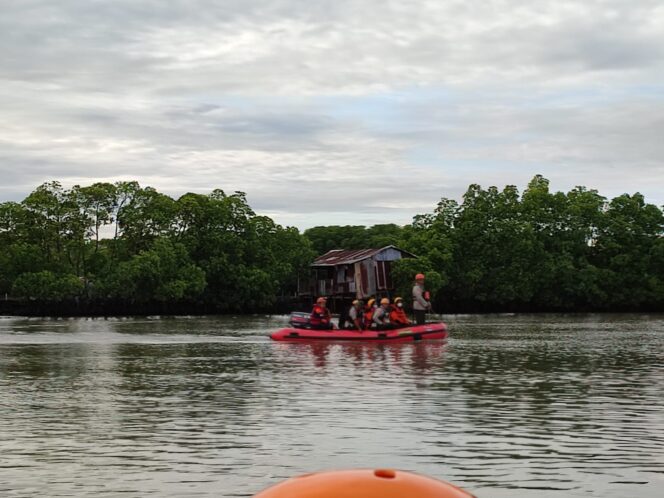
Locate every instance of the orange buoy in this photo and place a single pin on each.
(365, 483)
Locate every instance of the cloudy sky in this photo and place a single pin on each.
(333, 112)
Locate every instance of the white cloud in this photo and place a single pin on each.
(333, 112)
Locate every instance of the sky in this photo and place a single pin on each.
(333, 112)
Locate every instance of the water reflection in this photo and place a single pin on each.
(567, 406)
(414, 358)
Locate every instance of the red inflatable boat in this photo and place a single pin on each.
(300, 332)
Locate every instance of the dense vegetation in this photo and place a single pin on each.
(497, 250)
(123, 243)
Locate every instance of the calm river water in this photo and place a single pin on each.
(510, 406)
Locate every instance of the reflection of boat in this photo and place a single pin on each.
(407, 334)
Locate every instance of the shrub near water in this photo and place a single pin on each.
(45, 285)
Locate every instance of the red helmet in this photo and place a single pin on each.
(419, 276)
(321, 300)
(381, 483)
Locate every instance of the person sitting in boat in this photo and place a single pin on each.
(355, 317)
(320, 316)
(421, 302)
(381, 317)
(369, 312)
(398, 314)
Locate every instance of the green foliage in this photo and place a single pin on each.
(17, 258)
(206, 249)
(162, 273)
(543, 250)
(12, 222)
(496, 250)
(324, 238)
(47, 286)
(98, 203)
(146, 217)
(403, 275)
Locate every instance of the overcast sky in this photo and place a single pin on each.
(333, 112)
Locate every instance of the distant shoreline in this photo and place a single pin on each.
(32, 309)
(112, 308)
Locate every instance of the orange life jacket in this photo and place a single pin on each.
(398, 316)
(368, 317)
(319, 316)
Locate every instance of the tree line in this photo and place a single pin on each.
(125, 243)
(496, 250)
(502, 250)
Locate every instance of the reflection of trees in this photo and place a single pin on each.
(220, 375)
(196, 395)
(544, 374)
(505, 389)
(51, 395)
(544, 411)
(58, 363)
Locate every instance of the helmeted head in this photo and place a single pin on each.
(371, 302)
(321, 301)
(385, 302)
(366, 483)
(398, 302)
(357, 303)
(419, 278)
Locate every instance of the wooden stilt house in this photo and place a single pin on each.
(353, 274)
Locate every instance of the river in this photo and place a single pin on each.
(509, 406)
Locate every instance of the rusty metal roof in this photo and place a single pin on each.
(348, 256)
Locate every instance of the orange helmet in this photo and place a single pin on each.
(419, 276)
(381, 483)
(321, 300)
(385, 301)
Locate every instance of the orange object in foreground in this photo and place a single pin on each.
(366, 483)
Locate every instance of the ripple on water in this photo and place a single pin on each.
(509, 406)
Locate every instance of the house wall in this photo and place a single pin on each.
(344, 279)
(384, 275)
(360, 285)
(370, 266)
(389, 254)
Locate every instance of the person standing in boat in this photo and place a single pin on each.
(381, 317)
(398, 316)
(355, 319)
(421, 302)
(320, 316)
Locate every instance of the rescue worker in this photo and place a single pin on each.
(398, 314)
(421, 302)
(381, 317)
(320, 316)
(355, 320)
(368, 313)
